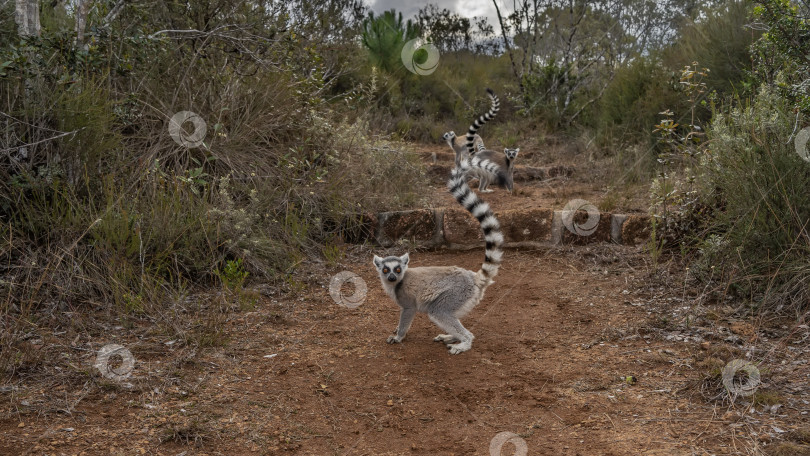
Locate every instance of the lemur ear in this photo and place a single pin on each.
(517, 150)
(378, 261)
(405, 259)
(505, 150)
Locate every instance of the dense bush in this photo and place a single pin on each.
(781, 55)
(631, 104)
(741, 194)
(754, 178)
(98, 202)
(758, 236)
(721, 41)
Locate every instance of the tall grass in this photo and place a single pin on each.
(103, 211)
(759, 233)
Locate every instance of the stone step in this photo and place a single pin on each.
(455, 227)
(522, 173)
(450, 157)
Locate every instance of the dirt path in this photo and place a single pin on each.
(578, 351)
(556, 338)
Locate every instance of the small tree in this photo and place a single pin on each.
(783, 53)
(451, 32)
(384, 36)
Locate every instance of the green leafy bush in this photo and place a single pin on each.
(100, 206)
(781, 54)
(631, 103)
(758, 233)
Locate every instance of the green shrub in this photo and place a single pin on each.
(719, 40)
(758, 185)
(100, 207)
(631, 103)
(781, 54)
(233, 275)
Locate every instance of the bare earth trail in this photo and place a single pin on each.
(566, 355)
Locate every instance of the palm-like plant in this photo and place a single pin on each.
(385, 35)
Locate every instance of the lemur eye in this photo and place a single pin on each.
(398, 270)
(385, 270)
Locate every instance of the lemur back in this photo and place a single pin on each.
(459, 148)
(445, 293)
(495, 168)
(487, 165)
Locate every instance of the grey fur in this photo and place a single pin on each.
(490, 167)
(461, 149)
(444, 293)
(485, 164)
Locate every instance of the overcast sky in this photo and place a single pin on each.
(466, 8)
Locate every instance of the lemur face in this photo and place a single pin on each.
(391, 269)
(511, 154)
(448, 136)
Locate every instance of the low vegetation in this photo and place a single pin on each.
(298, 113)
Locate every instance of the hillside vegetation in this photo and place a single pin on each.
(299, 120)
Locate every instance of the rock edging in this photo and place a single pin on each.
(454, 227)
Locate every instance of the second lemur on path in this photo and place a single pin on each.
(444, 293)
(489, 165)
(459, 148)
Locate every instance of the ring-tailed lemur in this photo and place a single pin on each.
(461, 149)
(488, 165)
(445, 293)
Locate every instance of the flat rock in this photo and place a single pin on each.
(526, 225)
(636, 229)
(586, 228)
(460, 227)
(417, 225)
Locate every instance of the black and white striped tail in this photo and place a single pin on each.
(490, 167)
(479, 122)
(481, 211)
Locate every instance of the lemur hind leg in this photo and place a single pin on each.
(483, 184)
(455, 329)
(445, 338)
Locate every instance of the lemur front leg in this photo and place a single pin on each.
(406, 316)
(483, 184)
